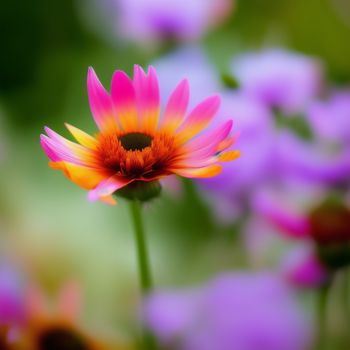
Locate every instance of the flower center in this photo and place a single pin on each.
(330, 224)
(135, 141)
(61, 338)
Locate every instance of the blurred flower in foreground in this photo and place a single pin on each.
(311, 216)
(158, 20)
(58, 329)
(238, 311)
(283, 80)
(12, 311)
(131, 151)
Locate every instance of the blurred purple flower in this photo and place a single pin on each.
(311, 160)
(157, 20)
(330, 120)
(280, 79)
(11, 297)
(234, 311)
(233, 188)
(192, 63)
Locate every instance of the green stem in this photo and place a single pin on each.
(345, 306)
(142, 254)
(322, 301)
(148, 341)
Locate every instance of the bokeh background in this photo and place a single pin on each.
(51, 235)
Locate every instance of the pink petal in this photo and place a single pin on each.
(58, 148)
(48, 149)
(70, 302)
(147, 95)
(292, 224)
(124, 100)
(202, 150)
(176, 107)
(214, 137)
(303, 268)
(198, 119)
(100, 102)
(57, 152)
(107, 187)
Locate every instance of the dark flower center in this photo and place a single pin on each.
(330, 224)
(61, 338)
(330, 229)
(135, 141)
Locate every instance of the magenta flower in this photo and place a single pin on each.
(280, 79)
(234, 311)
(134, 146)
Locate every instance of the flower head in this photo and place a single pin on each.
(133, 146)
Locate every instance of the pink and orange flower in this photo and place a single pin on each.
(134, 145)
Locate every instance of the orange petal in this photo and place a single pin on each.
(87, 178)
(228, 156)
(205, 172)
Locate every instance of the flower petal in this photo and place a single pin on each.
(107, 187)
(228, 156)
(124, 100)
(203, 150)
(205, 172)
(198, 119)
(85, 177)
(176, 107)
(67, 150)
(293, 224)
(100, 102)
(147, 95)
(214, 137)
(303, 268)
(82, 137)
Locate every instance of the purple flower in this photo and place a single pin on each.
(11, 297)
(192, 63)
(238, 311)
(330, 120)
(280, 79)
(233, 187)
(311, 160)
(156, 20)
